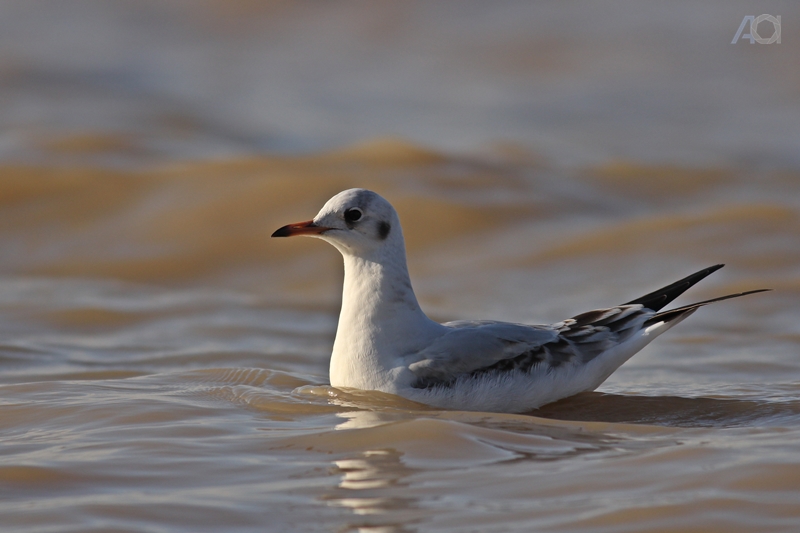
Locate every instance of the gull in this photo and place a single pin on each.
(385, 342)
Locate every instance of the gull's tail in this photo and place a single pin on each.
(657, 300)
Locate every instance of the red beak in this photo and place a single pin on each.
(300, 228)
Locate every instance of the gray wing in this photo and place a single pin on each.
(476, 348)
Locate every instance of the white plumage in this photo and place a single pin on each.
(385, 342)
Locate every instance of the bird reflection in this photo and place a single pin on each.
(368, 419)
(372, 486)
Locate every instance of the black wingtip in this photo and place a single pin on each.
(657, 300)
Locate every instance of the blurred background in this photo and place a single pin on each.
(156, 140)
(148, 80)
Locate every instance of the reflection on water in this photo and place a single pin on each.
(372, 486)
(382, 490)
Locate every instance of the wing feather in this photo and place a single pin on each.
(471, 345)
(474, 348)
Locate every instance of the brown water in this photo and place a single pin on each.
(163, 363)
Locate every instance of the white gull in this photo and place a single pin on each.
(385, 342)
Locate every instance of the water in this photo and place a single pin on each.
(163, 363)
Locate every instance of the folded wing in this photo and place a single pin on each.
(475, 348)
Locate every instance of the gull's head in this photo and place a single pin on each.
(356, 221)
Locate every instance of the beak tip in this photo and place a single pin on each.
(281, 232)
(301, 228)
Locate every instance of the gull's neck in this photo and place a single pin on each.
(380, 321)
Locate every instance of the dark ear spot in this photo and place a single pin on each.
(383, 230)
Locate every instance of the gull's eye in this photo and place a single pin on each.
(352, 215)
